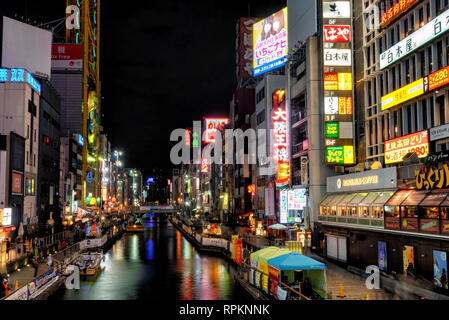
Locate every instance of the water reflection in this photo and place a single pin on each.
(158, 264)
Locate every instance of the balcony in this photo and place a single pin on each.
(298, 116)
(300, 147)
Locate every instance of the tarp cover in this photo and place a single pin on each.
(295, 261)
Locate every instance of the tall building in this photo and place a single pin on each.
(48, 161)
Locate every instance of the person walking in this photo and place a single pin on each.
(6, 287)
(36, 266)
(50, 262)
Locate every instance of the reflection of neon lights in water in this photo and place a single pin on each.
(186, 249)
(178, 245)
(150, 249)
(134, 252)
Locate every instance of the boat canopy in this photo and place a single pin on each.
(255, 255)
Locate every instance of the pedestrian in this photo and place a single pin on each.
(64, 244)
(50, 262)
(36, 266)
(6, 287)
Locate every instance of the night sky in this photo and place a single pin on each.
(163, 64)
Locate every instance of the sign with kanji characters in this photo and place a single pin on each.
(244, 47)
(336, 33)
(437, 79)
(337, 9)
(338, 105)
(19, 75)
(67, 56)
(204, 165)
(396, 10)
(212, 125)
(17, 183)
(435, 28)
(403, 94)
(283, 206)
(337, 81)
(340, 155)
(280, 143)
(432, 178)
(270, 43)
(337, 57)
(396, 149)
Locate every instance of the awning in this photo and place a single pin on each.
(414, 198)
(295, 261)
(398, 198)
(435, 198)
(383, 197)
(336, 200)
(347, 198)
(255, 255)
(358, 198)
(369, 199)
(264, 257)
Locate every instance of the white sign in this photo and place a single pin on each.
(269, 202)
(439, 132)
(417, 39)
(337, 9)
(367, 180)
(283, 206)
(337, 57)
(297, 199)
(7, 217)
(331, 105)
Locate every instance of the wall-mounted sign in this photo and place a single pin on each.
(283, 206)
(437, 157)
(367, 180)
(331, 130)
(396, 149)
(336, 33)
(19, 75)
(297, 199)
(17, 183)
(5, 217)
(337, 81)
(67, 56)
(270, 42)
(337, 57)
(340, 155)
(338, 105)
(440, 132)
(403, 94)
(204, 165)
(337, 9)
(437, 79)
(396, 10)
(430, 178)
(212, 125)
(80, 140)
(435, 28)
(280, 143)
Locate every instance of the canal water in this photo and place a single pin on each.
(158, 264)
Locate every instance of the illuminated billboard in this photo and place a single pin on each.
(212, 125)
(435, 28)
(67, 56)
(403, 94)
(340, 155)
(337, 81)
(270, 42)
(331, 130)
(19, 75)
(337, 10)
(204, 165)
(337, 57)
(396, 149)
(338, 105)
(336, 33)
(283, 206)
(437, 79)
(280, 144)
(395, 11)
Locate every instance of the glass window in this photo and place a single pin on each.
(323, 211)
(29, 186)
(410, 211)
(364, 212)
(392, 211)
(444, 213)
(377, 212)
(352, 211)
(341, 211)
(332, 211)
(429, 212)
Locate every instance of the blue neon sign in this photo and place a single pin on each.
(19, 75)
(81, 140)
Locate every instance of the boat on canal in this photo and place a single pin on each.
(89, 264)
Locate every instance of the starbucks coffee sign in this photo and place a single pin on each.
(368, 180)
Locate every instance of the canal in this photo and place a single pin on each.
(158, 264)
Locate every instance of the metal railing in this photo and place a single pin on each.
(53, 239)
(67, 255)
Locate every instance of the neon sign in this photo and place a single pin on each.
(212, 125)
(396, 10)
(403, 94)
(19, 75)
(204, 165)
(396, 149)
(280, 152)
(333, 33)
(283, 206)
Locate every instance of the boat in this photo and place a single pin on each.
(89, 264)
(136, 227)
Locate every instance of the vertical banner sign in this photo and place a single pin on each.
(280, 146)
(283, 206)
(337, 57)
(244, 47)
(382, 255)
(440, 269)
(238, 251)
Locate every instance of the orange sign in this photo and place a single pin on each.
(238, 251)
(396, 149)
(400, 7)
(438, 78)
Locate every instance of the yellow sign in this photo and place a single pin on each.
(349, 154)
(404, 94)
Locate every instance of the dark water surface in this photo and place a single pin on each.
(158, 264)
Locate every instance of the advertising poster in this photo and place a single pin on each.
(36, 286)
(244, 47)
(408, 257)
(17, 183)
(270, 43)
(440, 269)
(238, 251)
(382, 255)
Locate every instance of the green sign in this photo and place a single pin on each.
(332, 130)
(335, 155)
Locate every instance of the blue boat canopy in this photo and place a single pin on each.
(295, 261)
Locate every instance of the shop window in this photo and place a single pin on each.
(364, 212)
(444, 212)
(322, 211)
(352, 211)
(29, 186)
(410, 212)
(342, 211)
(332, 211)
(429, 220)
(391, 211)
(377, 213)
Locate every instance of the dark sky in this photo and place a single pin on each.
(163, 63)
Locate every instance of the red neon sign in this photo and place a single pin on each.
(188, 137)
(204, 165)
(212, 125)
(400, 7)
(335, 33)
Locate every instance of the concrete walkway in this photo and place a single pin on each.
(25, 275)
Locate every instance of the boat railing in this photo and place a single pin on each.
(67, 255)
